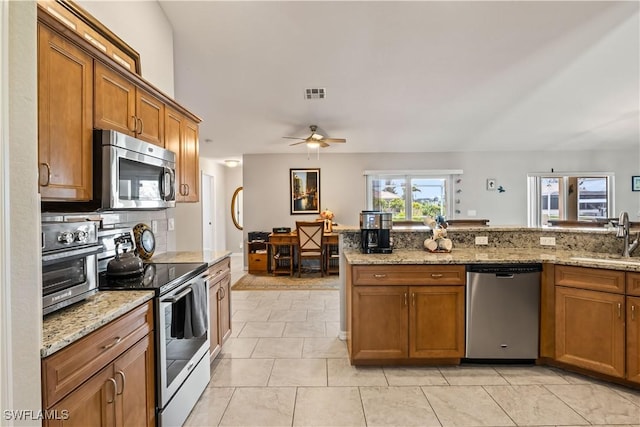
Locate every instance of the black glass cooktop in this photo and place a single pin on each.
(160, 278)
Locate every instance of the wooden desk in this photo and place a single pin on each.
(329, 240)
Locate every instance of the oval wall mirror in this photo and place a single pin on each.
(236, 208)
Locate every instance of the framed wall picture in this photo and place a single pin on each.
(304, 190)
(635, 183)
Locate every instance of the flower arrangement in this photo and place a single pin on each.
(327, 214)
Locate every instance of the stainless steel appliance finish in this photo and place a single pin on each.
(69, 263)
(184, 369)
(135, 174)
(375, 232)
(503, 311)
(182, 358)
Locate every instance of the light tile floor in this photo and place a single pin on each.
(285, 366)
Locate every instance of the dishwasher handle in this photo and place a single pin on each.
(503, 270)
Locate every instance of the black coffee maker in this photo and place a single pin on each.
(375, 228)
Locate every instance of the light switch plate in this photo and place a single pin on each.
(482, 240)
(171, 224)
(154, 227)
(548, 241)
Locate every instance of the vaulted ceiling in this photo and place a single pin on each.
(409, 76)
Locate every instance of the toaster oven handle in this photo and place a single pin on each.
(178, 297)
(49, 258)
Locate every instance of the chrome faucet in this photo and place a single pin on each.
(623, 232)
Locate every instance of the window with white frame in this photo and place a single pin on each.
(573, 196)
(411, 195)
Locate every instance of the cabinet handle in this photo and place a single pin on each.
(116, 340)
(413, 299)
(115, 389)
(188, 189)
(124, 380)
(141, 126)
(405, 299)
(619, 311)
(633, 312)
(437, 275)
(46, 165)
(379, 276)
(135, 124)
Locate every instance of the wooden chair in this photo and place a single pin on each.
(310, 243)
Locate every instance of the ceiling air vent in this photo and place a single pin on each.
(319, 93)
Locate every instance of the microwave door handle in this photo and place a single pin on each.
(168, 183)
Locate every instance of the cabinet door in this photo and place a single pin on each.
(91, 404)
(380, 322)
(65, 98)
(633, 339)
(135, 378)
(150, 112)
(215, 339)
(115, 102)
(590, 330)
(224, 309)
(189, 162)
(436, 321)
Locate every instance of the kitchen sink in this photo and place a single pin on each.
(608, 261)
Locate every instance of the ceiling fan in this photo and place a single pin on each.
(316, 139)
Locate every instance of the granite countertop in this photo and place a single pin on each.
(495, 255)
(209, 257)
(68, 325)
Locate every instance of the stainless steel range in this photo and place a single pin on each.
(181, 324)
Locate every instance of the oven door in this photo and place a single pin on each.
(133, 180)
(68, 277)
(178, 349)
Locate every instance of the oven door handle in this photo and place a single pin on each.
(178, 297)
(74, 253)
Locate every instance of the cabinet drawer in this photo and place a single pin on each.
(258, 261)
(68, 368)
(409, 275)
(597, 279)
(633, 284)
(218, 270)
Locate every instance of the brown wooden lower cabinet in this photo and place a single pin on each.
(633, 339)
(398, 323)
(219, 282)
(120, 392)
(590, 330)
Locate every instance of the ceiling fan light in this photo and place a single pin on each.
(313, 144)
(316, 136)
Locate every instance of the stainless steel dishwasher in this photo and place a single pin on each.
(503, 310)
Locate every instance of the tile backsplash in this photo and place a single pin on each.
(156, 219)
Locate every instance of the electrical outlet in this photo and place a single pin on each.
(548, 241)
(171, 225)
(471, 212)
(154, 227)
(482, 240)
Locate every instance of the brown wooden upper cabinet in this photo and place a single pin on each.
(181, 137)
(65, 101)
(121, 105)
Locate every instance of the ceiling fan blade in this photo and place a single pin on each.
(292, 137)
(334, 140)
(323, 144)
(298, 143)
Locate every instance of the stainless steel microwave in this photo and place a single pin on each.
(135, 174)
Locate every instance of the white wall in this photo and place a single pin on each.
(266, 181)
(143, 26)
(21, 218)
(235, 237)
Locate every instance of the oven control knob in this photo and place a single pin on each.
(81, 236)
(66, 237)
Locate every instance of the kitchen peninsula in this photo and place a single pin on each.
(587, 290)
